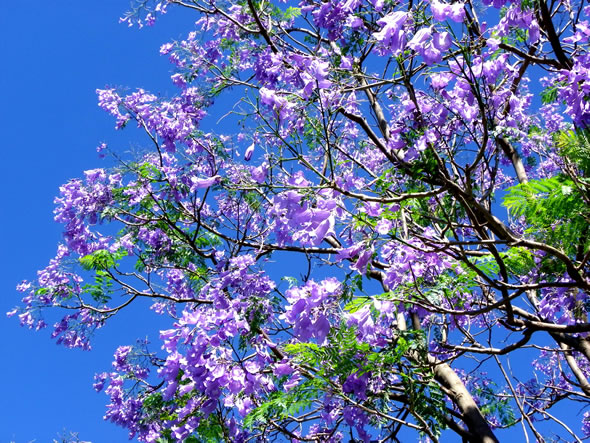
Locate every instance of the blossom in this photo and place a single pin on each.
(204, 183)
(249, 152)
(442, 11)
(383, 226)
(391, 35)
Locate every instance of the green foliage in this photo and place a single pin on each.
(256, 314)
(153, 406)
(575, 146)
(494, 405)
(156, 408)
(412, 343)
(101, 259)
(342, 357)
(362, 220)
(384, 182)
(549, 94)
(101, 289)
(210, 430)
(291, 281)
(446, 286)
(101, 262)
(357, 304)
(306, 353)
(427, 401)
(167, 437)
(525, 199)
(383, 360)
(313, 133)
(554, 210)
(518, 261)
(253, 200)
(291, 13)
(424, 396)
(346, 356)
(280, 405)
(426, 165)
(42, 291)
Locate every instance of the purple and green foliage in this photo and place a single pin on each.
(423, 167)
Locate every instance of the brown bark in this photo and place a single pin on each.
(476, 423)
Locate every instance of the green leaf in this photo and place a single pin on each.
(519, 261)
(279, 405)
(575, 146)
(554, 210)
(98, 260)
(292, 13)
(357, 303)
(147, 170)
(549, 95)
(291, 281)
(210, 430)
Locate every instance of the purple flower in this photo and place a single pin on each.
(356, 385)
(99, 381)
(292, 382)
(321, 328)
(441, 40)
(325, 228)
(363, 260)
(383, 226)
(364, 322)
(203, 183)
(442, 11)
(419, 39)
(320, 72)
(282, 369)
(392, 36)
(586, 424)
(535, 32)
(259, 173)
(249, 152)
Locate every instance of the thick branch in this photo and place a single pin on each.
(261, 27)
(476, 423)
(547, 25)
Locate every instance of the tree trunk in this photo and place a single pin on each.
(477, 425)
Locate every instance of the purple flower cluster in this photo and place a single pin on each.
(173, 121)
(299, 220)
(199, 372)
(80, 205)
(576, 90)
(310, 309)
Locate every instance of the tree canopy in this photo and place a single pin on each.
(366, 220)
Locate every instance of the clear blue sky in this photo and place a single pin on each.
(54, 55)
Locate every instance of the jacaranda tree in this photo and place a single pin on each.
(384, 237)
